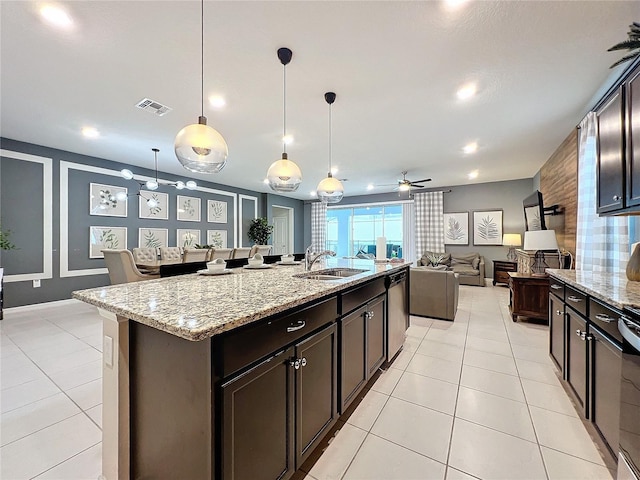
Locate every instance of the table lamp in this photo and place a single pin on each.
(511, 240)
(540, 241)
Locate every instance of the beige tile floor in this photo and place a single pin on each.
(474, 398)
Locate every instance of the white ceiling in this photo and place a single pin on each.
(395, 67)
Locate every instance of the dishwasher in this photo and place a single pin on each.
(397, 312)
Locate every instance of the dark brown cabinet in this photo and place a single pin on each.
(501, 269)
(556, 331)
(606, 365)
(528, 296)
(576, 373)
(362, 348)
(610, 164)
(632, 146)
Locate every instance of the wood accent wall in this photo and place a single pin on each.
(559, 185)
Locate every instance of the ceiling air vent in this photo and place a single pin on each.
(153, 107)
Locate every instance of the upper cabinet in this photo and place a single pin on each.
(618, 149)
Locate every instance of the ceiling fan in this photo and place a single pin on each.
(405, 184)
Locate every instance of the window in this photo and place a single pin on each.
(351, 230)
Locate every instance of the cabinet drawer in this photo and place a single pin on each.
(557, 288)
(576, 300)
(253, 342)
(361, 295)
(606, 318)
(505, 266)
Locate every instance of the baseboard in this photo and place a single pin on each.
(38, 306)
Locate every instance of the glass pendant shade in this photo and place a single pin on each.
(152, 185)
(330, 190)
(126, 174)
(200, 148)
(284, 175)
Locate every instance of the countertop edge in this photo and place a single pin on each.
(563, 276)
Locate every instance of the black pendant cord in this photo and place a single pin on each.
(202, 58)
(155, 154)
(284, 108)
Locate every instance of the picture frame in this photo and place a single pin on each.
(456, 228)
(217, 238)
(216, 211)
(101, 237)
(153, 237)
(188, 209)
(187, 238)
(107, 200)
(159, 212)
(487, 227)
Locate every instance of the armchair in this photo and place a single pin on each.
(433, 293)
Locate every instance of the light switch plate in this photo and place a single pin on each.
(36, 283)
(107, 349)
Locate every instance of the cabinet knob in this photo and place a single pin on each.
(295, 363)
(559, 313)
(616, 198)
(303, 362)
(371, 314)
(578, 332)
(590, 338)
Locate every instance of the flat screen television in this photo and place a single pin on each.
(534, 212)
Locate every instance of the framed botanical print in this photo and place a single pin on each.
(456, 228)
(187, 238)
(217, 238)
(487, 227)
(153, 237)
(188, 209)
(153, 205)
(216, 211)
(106, 238)
(107, 200)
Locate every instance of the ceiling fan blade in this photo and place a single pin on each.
(421, 181)
(413, 185)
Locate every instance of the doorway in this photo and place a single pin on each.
(282, 236)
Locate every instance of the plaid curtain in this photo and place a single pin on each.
(318, 226)
(602, 243)
(429, 222)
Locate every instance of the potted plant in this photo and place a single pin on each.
(632, 44)
(259, 231)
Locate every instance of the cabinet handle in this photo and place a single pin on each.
(603, 317)
(371, 315)
(574, 299)
(578, 332)
(616, 198)
(303, 362)
(295, 363)
(556, 287)
(559, 313)
(298, 325)
(591, 337)
(583, 336)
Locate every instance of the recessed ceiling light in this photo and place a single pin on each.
(473, 175)
(90, 132)
(466, 91)
(56, 16)
(216, 101)
(470, 148)
(370, 187)
(287, 139)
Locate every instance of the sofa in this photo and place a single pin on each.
(433, 293)
(470, 267)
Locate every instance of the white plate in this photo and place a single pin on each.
(218, 272)
(288, 263)
(257, 267)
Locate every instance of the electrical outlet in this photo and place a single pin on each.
(36, 283)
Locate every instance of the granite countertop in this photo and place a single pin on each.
(611, 288)
(196, 307)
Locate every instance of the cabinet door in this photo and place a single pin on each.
(556, 331)
(632, 92)
(353, 368)
(606, 365)
(610, 154)
(577, 356)
(316, 390)
(257, 429)
(376, 341)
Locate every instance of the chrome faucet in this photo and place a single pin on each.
(311, 257)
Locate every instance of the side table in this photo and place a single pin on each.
(501, 269)
(528, 296)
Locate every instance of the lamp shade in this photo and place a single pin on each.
(200, 148)
(511, 240)
(540, 240)
(330, 190)
(284, 175)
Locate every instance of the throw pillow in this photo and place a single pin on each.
(475, 263)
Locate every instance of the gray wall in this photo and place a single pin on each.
(21, 212)
(298, 217)
(506, 196)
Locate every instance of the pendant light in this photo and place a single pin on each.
(199, 147)
(330, 190)
(284, 175)
(153, 184)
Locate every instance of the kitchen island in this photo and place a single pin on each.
(240, 375)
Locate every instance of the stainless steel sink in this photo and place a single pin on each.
(330, 274)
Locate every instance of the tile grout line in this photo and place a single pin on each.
(73, 456)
